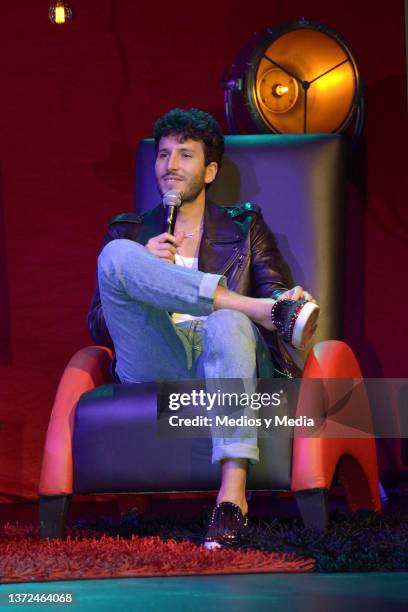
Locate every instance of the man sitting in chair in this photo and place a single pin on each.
(191, 305)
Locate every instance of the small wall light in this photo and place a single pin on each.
(60, 12)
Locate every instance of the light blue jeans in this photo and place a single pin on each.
(138, 290)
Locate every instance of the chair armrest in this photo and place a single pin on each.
(88, 368)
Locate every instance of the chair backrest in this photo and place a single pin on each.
(299, 183)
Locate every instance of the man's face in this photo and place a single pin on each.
(180, 166)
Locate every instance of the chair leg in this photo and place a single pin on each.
(357, 486)
(53, 513)
(314, 508)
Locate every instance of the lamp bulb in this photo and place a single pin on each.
(280, 90)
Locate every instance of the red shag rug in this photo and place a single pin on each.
(26, 558)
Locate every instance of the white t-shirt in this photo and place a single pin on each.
(186, 262)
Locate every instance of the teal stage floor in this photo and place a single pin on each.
(354, 592)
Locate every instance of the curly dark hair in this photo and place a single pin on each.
(195, 124)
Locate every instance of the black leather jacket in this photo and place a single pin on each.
(236, 242)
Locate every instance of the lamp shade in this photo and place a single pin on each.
(301, 77)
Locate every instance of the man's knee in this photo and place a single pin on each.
(115, 254)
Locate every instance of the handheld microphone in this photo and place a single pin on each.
(171, 203)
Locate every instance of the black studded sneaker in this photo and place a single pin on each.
(227, 526)
(295, 320)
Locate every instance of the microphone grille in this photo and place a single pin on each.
(172, 198)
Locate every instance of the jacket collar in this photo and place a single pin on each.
(218, 225)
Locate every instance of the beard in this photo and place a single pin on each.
(191, 189)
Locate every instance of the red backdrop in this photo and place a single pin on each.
(75, 101)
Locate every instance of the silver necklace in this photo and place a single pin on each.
(189, 236)
(198, 229)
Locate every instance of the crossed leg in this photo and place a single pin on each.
(137, 292)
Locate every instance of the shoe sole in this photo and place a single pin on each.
(305, 325)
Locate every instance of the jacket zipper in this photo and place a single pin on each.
(240, 256)
(230, 262)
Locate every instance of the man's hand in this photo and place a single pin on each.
(297, 293)
(165, 245)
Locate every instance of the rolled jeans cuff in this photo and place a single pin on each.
(236, 450)
(208, 286)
